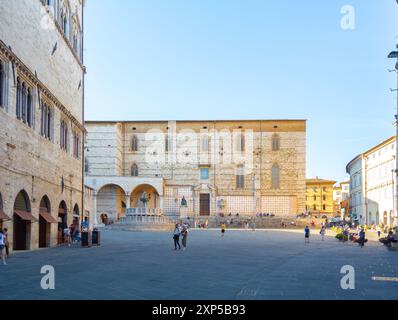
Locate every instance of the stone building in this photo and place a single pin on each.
(205, 168)
(319, 196)
(372, 187)
(41, 119)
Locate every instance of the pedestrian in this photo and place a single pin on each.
(67, 234)
(378, 229)
(176, 237)
(6, 242)
(362, 238)
(223, 227)
(85, 225)
(323, 231)
(307, 234)
(2, 247)
(184, 234)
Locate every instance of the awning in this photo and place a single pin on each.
(3, 216)
(48, 217)
(24, 215)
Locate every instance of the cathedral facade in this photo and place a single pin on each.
(196, 168)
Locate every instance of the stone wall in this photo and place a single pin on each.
(180, 165)
(28, 161)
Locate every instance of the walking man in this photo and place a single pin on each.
(307, 234)
(184, 234)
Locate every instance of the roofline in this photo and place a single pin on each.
(320, 181)
(352, 161)
(363, 154)
(392, 138)
(222, 120)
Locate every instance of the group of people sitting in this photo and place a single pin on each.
(390, 239)
(261, 214)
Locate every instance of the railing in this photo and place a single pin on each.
(144, 219)
(143, 211)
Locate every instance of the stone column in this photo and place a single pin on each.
(95, 209)
(127, 201)
(160, 204)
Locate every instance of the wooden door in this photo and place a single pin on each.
(42, 233)
(20, 230)
(205, 204)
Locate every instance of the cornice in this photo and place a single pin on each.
(19, 65)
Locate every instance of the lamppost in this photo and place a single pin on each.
(394, 55)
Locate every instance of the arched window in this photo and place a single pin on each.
(275, 183)
(29, 108)
(134, 143)
(19, 99)
(134, 170)
(276, 142)
(23, 102)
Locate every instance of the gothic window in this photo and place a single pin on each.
(64, 136)
(275, 183)
(46, 121)
(29, 108)
(275, 142)
(24, 103)
(19, 99)
(76, 145)
(134, 170)
(2, 83)
(134, 143)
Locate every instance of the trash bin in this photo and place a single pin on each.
(86, 239)
(96, 238)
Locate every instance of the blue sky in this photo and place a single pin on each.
(248, 59)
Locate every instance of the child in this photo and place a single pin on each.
(223, 227)
(307, 234)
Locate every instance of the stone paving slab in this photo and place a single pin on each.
(243, 265)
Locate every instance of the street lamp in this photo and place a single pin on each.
(394, 55)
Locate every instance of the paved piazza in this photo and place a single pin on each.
(242, 265)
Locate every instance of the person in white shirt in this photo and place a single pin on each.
(2, 247)
(176, 237)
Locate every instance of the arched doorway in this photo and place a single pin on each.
(385, 218)
(377, 217)
(62, 221)
(111, 200)
(144, 196)
(76, 215)
(44, 224)
(22, 222)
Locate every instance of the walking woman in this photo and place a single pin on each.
(184, 234)
(176, 237)
(322, 233)
(2, 247)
